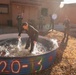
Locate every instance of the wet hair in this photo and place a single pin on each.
(25, 23)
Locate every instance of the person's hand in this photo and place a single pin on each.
(19, 38)
(35, 42)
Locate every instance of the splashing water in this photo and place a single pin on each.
(39, 49)
(54, 43)
(17, 49)
(35, 49)
(19, 44)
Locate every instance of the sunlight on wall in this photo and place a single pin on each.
(66, 2)
(69, 1)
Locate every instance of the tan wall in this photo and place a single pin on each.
(4, 17)
(34, 11)
(68, 11)
(53, 7)
(28, 12)
(5, 1)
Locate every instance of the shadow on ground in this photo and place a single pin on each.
(59, 55)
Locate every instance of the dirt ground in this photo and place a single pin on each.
(65, 63)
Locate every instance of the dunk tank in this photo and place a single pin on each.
(14, 59)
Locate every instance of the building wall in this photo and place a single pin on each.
(27, 12)
(4, 17)
(53, 7)
(68, 11)
(33, 11)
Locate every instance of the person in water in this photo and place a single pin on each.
(32, 33)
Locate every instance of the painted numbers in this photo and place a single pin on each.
(4, 65)
(39, 64)
(19, 66)
(12, 66)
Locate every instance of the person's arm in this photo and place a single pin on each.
(19, 33)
